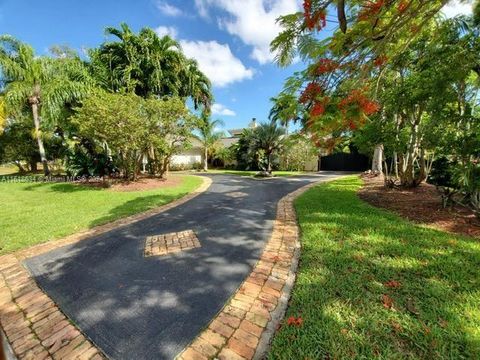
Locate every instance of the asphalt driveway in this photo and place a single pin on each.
(134, 307)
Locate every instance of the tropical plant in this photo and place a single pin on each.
(365, 29)
(428, 99)
(148, 65)
(3, 114)
(468, 179)
(115, 120)
(246, 155)
(169, 124)
(269, 138)
(17, 146)
(226, 155)
(208, 135)
(299, 149)
(196, 85)
(40, 85)
(339, 89)
(476, 12)
(87, 160)
(285, 109)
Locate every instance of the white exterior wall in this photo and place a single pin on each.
(188, 157)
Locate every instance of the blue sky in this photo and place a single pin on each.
(229, 39)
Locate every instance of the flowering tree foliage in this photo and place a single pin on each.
(338, 88)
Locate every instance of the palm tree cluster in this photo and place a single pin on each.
(148, 65)
(257, 147)
(41, 86)
(46, 89)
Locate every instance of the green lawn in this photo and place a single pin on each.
(372, 285)
(252, 173)
(32, 213)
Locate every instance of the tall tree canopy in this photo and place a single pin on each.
(147, 65)
(41, 86)
(374, 49)
(340, 82)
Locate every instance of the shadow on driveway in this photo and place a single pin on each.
(151, 308)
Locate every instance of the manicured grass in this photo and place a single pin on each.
(32, 213)
(252, 173)
(372, 285)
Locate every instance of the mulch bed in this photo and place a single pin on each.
(142, 184)
(421, 205)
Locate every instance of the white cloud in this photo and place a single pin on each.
(219, 109)
(455, 7)
(216, 61)
(167, 9)
(202, 8)
(253, 21)
(167, 30)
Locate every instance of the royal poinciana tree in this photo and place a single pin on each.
(348, 46)
(426, 92)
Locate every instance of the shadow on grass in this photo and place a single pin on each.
(137, 205)
(371, 285)
(61, 187)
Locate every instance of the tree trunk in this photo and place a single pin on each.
(422, 176)
(165, 165)
(33, 165)
(269, 163)
(377, 162)
(205, 159)
(395, 164)
(342, 19)
(41, 148)
(21, 169)
(408, 176)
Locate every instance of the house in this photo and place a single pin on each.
(193, 157)
(188, 158)
(236, 133)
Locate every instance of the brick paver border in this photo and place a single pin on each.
(245, 326)
(160, 245)
(35, 327)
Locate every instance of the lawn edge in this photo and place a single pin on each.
(42, 248)
(246, 325)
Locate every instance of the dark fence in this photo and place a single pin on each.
(344, 162)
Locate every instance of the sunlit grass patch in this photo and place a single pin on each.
(372, 285)
(31, 213)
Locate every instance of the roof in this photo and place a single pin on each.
(236, 132)
(228, 141)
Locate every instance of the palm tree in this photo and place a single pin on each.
(3, 115)
(38, 84)
(269, 138)
(196, 85)
(285, 109)
(208, 135)
(147, 65)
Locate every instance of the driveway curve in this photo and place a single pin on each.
(136, 307)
